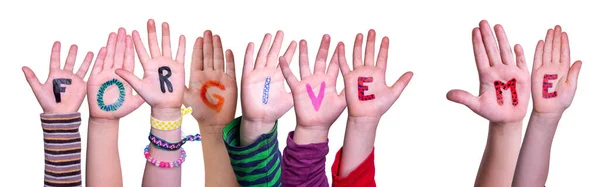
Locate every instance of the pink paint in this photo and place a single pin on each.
(316, 101)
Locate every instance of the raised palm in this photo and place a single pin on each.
(70, 88)
(161, 94)
(117, 99)
(212, 92)
(316, 101)
(367, 94)
(497, 74)
(263, 91)
(551, 68)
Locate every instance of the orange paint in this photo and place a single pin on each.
(220, 99)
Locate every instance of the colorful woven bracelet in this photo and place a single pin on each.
(169, 146)
(163, 164)
(169, 125)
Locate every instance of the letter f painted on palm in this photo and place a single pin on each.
(316, 100)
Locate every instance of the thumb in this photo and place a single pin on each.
(463, 97)
(134, 81)
(33, 81)
(574, 73)
(401, 83)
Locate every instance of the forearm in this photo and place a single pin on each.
(534, 158)
(62, 149)
(153, 174)
(103, 166)
(500, 156)
(304, 164)
(217, 168)
(358, 142)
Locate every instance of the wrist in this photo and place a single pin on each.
(546, 115)
(308, 135)
(166, 114)
(250, 130)
(363, 123)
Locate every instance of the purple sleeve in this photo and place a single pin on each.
(304, 165)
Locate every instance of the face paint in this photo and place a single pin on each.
(220, 100)
(265, 97)
(57, 89)
(316, 101)
(547, 85)
(120, 100)
(512, 85)
(164, 79)
(362, 88)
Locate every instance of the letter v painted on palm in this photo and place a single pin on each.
(316, 100)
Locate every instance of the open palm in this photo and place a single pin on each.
(65, 100)
(498, 73)
(316, 101)
(157, 93)
(551, 68)
(367, 94)
(109, 96)
(212, 92)
(263, 91)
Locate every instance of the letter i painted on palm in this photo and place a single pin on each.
(316, 100)
(265, 97)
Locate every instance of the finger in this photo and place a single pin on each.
(481, 58)
(99, 61)
(129, 64)
(505, 48)
(139, 48)
(521, 60)
(181, 50)
(218, 54)
(83, 69)
(131, 79)
(383, 54)
(166, 40)
(357, 54)
(248, 59)
(556, 42)
(321, 62)
(208, 50)
(303, 58)
(137, 101)
(538, 56)
(463, 97)
(287, 73)
(342, 95)
(55, 56)
(565, 56)
(230, 63)
(342, 59)
(197, 58)
(152, 39)
(70, 62)
(489, 41)
(574, 73)
(33, 81)
(289, 52)
(401, 83)
(110, 51)
(370, 49)
(120, 48)
(261, 57)
(275, 50)
(547, 57)
(334, 69)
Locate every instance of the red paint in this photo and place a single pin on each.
(512, 85)
(546, 85)
(362, 88)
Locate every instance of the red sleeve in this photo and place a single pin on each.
(362, 176)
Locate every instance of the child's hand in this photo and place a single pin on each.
(504, 87)
(109, 97)
(367, 94)
(212, 89)
(163, 84)
(316, 101)
(63, 91)
(553, 82)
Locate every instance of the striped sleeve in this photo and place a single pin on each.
(257, 164)
(62, 149)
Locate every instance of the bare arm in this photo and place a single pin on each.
(217, 167)
(500, 156)
(103, 165)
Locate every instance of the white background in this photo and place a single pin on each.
(423, 140)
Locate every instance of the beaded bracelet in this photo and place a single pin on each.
(169, 125)
(163, 164)
(165, 145)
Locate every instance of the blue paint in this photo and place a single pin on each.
(100, 95)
